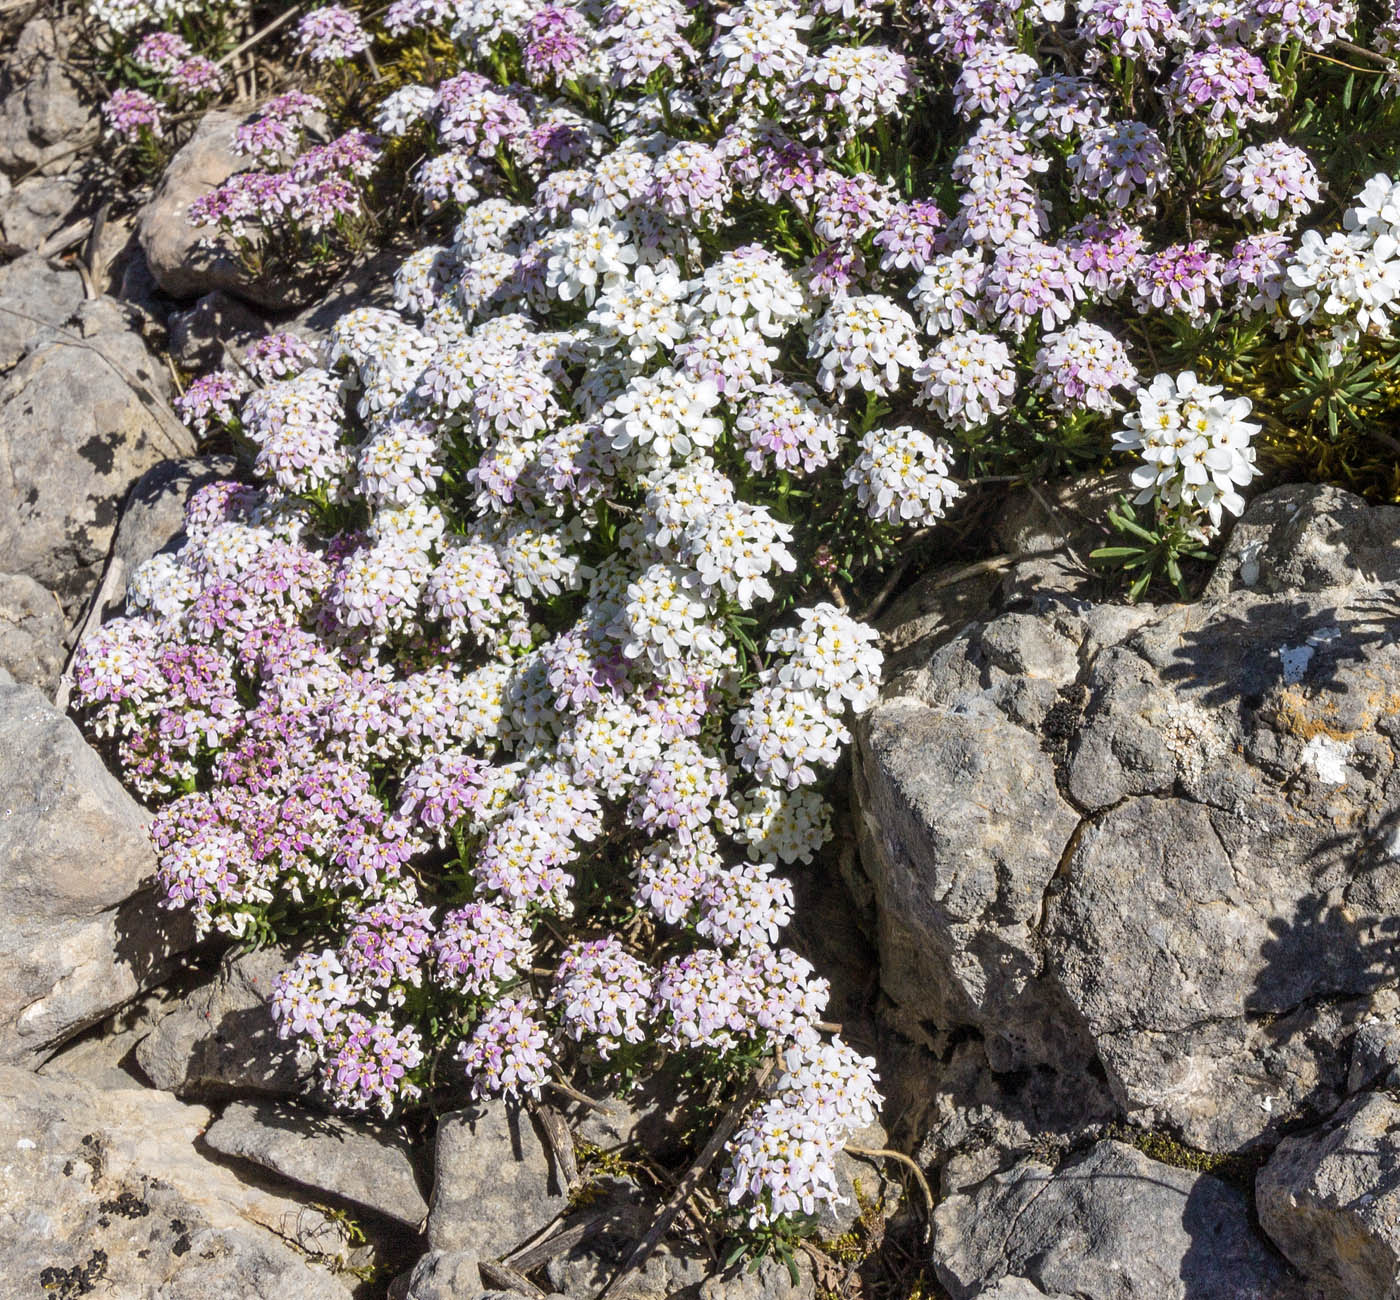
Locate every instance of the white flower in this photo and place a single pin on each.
(642, 314)
(586, 258)
(902, 475)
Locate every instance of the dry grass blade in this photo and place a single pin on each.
(885, 1153)
(561, 1144)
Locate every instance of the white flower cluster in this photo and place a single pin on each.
(1195, 444)
(1350, 280)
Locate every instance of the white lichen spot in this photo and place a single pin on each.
(1249, 562)
(1295, 660)
(25, 1144)
(1328, 758)
(1192, 739)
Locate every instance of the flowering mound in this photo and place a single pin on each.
(515, 683)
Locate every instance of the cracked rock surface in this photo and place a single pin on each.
(1157, 845)
(1112, 1225)
(1330, 1199)
(103, 1192)
(79, 935)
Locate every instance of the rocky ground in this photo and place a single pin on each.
(1119, 912)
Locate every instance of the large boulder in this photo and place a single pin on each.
(153, 515)
(211, 329)
(33, 295)
(37, 208)
(349, 1159)
(1156, 840)
(1330, 1199)
(82, 417)
(1111, 1225)
(104, 1192)
(78, 935)
(33, 632)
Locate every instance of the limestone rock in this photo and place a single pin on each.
(863, 1184)
(1330, 1200)
(104, 1192)
(33, 631)
(78, 936)
(444, 1275)
(81, 418)
(1159, 839)
(200, 335)
(153, 515)
(964, 828)
(1112, 1225)
(1018, 1288)
(220, 1038)
(493, 1187)
(37, 208)
(676, 1268)
(352, 1160)
(34, 295)
(44, 121)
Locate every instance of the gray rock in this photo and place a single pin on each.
(103, 1057)
(33, 295)
(1018, 1288)
(44, 121)
(1163, 837)
(493, 1187)
(200, 335)
(1375, 1047)
(962, 829)
(863, 1184)
(189, 261)
(1330, 1199)
(1052, 530)
(220, 1039)
(671, 1269)
(355, 1161)
(37, 208)
(104, 1192)
(33, 632)
(1112, 1225)
(676, 1268)
(444, 1275)
(770, 1281)
(367, 283)
(977, 1118)
(77, 935)
(81, 418)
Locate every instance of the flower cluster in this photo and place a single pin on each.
(174, 75)
(521, 668)
(1195, 444)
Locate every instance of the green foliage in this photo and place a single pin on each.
(1151, 549)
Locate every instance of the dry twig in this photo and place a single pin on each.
(885, 1153)
(689, 1180)
(281, 20)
